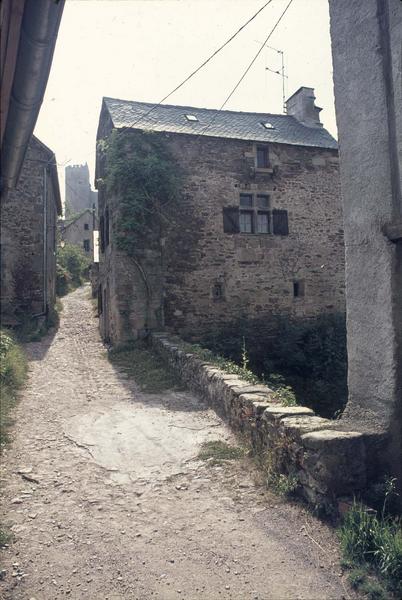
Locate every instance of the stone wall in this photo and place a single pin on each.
(202, 277)
(80, 232)
(326, 461)
(28, 261)
(366, 47)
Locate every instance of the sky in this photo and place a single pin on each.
(141, 49)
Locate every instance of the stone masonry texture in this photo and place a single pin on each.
(28, 260)
(327, 463)
(211, 277)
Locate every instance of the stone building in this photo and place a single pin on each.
(258, 232)
(79, 195)
(28, 237)
(366, 47)
(80, 231)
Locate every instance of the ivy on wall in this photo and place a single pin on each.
(142, 172)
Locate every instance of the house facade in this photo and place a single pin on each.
(257, 232)
(28, 233)
(80, 231)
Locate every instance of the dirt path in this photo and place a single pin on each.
(107, 501)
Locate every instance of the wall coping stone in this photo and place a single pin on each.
(328, 462)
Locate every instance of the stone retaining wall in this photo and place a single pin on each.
(327, 463)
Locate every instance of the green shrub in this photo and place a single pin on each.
(13, 371)
(72, 268)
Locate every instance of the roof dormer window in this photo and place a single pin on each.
(267, 125)
(191, 117)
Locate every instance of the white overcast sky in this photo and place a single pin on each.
(141, 49)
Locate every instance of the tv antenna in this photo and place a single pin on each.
(281, 72)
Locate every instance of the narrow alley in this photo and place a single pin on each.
(106, 498)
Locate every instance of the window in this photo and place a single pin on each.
(255, 220)
(86, 226)
(298, 289)
(246, 200)
(263, 201)
(262, 157)
(217, 291)
(87, 246)
(262, 222)
(267, 125)
(253, 215)
(246, 221)
(191, 117)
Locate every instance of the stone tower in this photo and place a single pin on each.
(79, 195)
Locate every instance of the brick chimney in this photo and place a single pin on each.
(301, 106)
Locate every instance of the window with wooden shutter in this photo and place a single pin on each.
(280, 224)
(231, 219)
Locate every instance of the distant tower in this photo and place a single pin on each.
(79, 195)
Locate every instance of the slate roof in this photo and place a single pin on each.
(225, 124)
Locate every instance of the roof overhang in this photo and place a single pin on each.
(32, 56)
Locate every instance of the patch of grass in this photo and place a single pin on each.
(5, 536)
(360, 580)
(373, 541)
(217, 451)
(13, 371)
(139, 362)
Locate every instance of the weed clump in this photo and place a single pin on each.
(217, 451)
(373, 541)
(13, 371)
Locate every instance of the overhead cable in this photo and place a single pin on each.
(198, 68)
(246, 70)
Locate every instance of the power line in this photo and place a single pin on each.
(247, 69)
(198, 68)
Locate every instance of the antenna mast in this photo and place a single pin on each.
(281, 72)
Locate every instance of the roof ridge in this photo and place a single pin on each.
(241, 112)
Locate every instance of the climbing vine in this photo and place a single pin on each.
(142, 172)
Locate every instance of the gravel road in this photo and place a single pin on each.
(107, 501)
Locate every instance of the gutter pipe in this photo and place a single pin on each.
(39, 30)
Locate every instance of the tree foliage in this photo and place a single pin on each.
(71, 269)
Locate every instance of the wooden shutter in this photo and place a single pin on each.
(280, 224)
(102, 233)
(107, 227)
(231, 219)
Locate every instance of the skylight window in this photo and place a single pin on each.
(191, 117)
(267, 125)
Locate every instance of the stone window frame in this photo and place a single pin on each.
(266, 167)
(254, 209)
